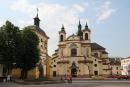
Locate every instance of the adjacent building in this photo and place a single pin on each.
(78, 56)
(125, 64)
(115, 65)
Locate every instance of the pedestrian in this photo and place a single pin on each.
(62, 78)
(70, 79)
(8, 78)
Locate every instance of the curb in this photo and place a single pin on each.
(38, 83)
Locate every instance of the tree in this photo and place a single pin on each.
(30, 51)
(8, 44)
(19, 48)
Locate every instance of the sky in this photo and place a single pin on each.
(108, 20)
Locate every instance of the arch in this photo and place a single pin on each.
(86, 36)
(61, 37)
(73, 69)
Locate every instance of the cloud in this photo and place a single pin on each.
(52, 17)
(104, 12)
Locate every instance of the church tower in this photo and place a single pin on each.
(86, 33)
(37, 20)
(62, 34)
(80, 33)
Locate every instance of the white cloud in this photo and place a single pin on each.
(52, 17)
(104, 12)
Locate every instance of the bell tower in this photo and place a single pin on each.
(79, 32)
(37, 20)
(86, 33)
(62, 34)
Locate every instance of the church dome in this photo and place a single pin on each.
(38, 30)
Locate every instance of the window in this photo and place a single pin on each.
(54, 66)
(41, 40)
(95, 60)
(96, 54)
(73, 52)
(117, 68)
(41, 46)
(95, 72)
(54, 73)
(117, 73)
(67, 70)
(61, 38)
(95, 65)
(86, 36)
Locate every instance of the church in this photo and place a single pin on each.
(78, 56)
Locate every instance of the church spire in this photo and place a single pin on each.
(63, 29)
(37, 13)
(37, 20)
(86, 26)
(79, 26)
(80, 33)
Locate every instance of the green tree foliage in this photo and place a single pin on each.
(29, 51)
(18, 47)
(8, 43)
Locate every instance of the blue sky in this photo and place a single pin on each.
(108, 20)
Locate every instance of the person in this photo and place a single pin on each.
(8, 78)
(70, 79)
(62, 78)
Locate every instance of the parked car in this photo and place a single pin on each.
(113, 76)
(123, 77)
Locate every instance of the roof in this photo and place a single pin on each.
(73, 37)
(87, 29)
(95, 46)
(104, 52)
(38, 29)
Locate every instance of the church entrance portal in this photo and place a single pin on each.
(74, 72)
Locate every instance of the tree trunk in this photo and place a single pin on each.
(9, 71)
(23, 74)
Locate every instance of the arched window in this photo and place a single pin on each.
(86, 36)
(73, 48)
(73, 52)
(61, 38)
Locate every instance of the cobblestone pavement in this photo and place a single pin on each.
(74, 84)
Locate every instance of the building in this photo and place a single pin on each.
(78, 56)
(41, 69)
(125, 64)
(115, 64)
